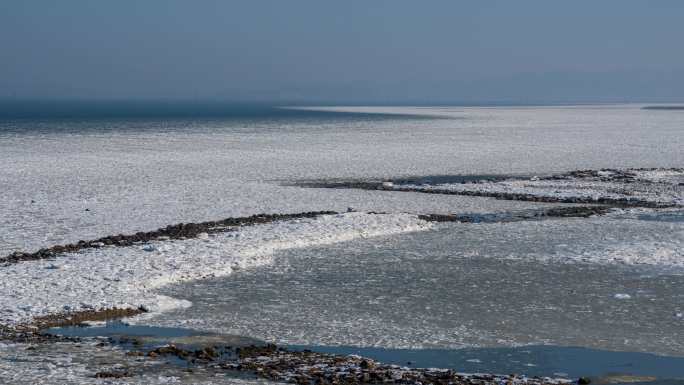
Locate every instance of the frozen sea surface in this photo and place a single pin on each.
(140, 174)
(612, 282)
(128, 276)
(608, 282)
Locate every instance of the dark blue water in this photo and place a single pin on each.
(531, 360)
(120, 328)
(97, 118)
(165, 110)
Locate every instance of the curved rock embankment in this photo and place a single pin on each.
(177, 231)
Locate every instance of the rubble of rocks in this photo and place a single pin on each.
(32, 333)
(307, 367)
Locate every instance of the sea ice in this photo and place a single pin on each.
(138, 175)
(128, 276)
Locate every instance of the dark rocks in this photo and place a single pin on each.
(365, 364)
(461, 218)
(306, 367)
(206, 354)
(614, 202)
(113, 374)
(29, 334)
(78, 318)
(554, 212)
(611, 174)
(584, 381)
(169, 350)
(575, 211)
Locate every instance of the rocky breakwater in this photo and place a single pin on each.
(308, 367)
(177, 231)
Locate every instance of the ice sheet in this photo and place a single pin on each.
(61, 181)
(135, 175)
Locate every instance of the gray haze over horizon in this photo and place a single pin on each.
(390, 51)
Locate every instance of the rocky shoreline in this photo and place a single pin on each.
(304, 367)
(266, 361)
(307, 367)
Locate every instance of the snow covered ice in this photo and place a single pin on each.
(137, 175)
(66, 180)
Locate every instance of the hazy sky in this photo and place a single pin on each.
(366, 50)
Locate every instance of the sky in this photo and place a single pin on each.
(350, 51)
